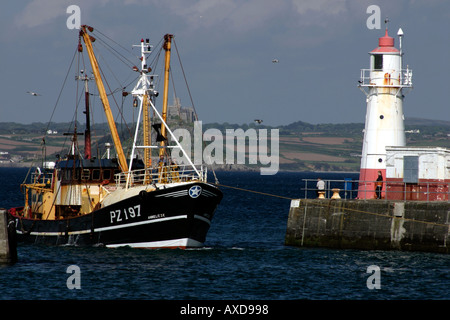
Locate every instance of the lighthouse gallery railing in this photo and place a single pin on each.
(372, 77)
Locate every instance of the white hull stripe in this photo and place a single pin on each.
(173, 194)
(207, 193)
(133, 224)
(175, 243)
(202, 218)
(120, 226)
(182, 193)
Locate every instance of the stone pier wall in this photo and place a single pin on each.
(369, 224)
(8, 244)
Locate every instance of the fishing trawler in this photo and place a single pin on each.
(115, 202)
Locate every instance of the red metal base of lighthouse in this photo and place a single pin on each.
(367, 183)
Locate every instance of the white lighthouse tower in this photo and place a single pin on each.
(383, 86)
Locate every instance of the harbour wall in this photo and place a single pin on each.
(8, 243)
(369, 224)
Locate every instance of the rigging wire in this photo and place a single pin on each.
(115, 101)
(53, 111)
(60, 92)
(185, 79)
(99, 55)
(330, 206)
(122, 87)
(120, 113)
(192, 100)
(155, 62)
(158, 54)
(112, 40)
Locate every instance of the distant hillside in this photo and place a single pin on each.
(297, 126)
(336, 129)
(302, 146)
(41, 128)
(426, 122)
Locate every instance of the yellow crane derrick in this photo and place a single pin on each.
(98, 79)
(167, 48)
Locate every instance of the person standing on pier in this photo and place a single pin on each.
(379, 184)
(320, 186)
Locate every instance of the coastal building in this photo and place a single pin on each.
(176, 111)
(417, 173)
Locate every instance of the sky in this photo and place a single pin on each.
(226, 49)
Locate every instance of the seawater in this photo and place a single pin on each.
(244, 258)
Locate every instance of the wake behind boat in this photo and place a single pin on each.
(83, 200)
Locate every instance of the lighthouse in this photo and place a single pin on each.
(383, 85)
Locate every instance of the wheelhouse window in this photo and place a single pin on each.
(70, 174)
(85, 174)
(96, 174)
(106, 174)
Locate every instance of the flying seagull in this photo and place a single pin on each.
(258, 121)
(33, 93)
(275, 60)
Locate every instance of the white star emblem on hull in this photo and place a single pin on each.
(195, 191)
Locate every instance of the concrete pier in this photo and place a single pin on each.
(8, 244)
(369, 224)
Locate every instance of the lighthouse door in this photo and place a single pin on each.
(410, 169)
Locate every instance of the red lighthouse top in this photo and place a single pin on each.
(385, 44)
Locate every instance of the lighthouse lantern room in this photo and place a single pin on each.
(383, 84)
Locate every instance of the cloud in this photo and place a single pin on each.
(319, 12)
(229, 15)
(43, 12)
(324, 7)
(254, 13)
(39, 12)
(234, 16)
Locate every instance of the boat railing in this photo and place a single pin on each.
(391, 190)
(160, 175)
(41, 178)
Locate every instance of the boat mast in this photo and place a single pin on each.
(147, 138)
(145, 49)
(167, 48)
(87, 131)
(112, 126)
(143, 91)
